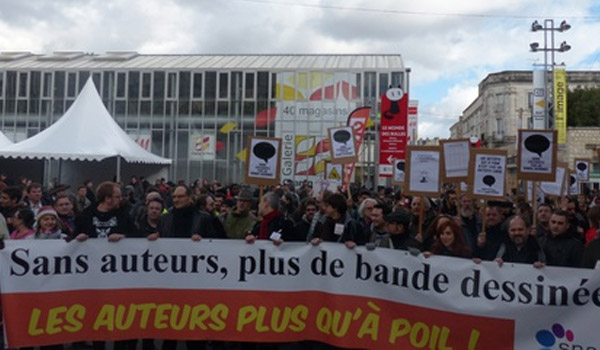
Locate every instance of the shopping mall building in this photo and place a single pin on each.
(200, 109)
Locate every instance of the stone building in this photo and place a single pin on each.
(503, 106)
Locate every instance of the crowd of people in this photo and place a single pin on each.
(560, 232)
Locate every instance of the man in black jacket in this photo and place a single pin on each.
(561, 248)
(183, 220)
(522, 247)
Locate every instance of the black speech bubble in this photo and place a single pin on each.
(537, 144)
(264, 151)
(489, 180)
(400, 166)
(572, 179)
(581, 166)
(342, 136)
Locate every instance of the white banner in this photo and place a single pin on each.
(56, 292)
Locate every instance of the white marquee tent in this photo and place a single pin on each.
(86, 132)
(4, 141)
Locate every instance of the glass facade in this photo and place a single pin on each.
(201, 118)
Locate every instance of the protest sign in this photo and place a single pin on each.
(536, 155)
(556, 187)
(582, 169)
(455, 160)
(399, 171)
(54, 292)
(263, 161)
(487, 175)
(342, 146)
(573, 184)
(423, 175)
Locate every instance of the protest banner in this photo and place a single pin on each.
(358, 120)
(263, 161)
(582, 169)
(487, 174)
(455, 160)
(536, 155)
(55, 292)
(342, 145)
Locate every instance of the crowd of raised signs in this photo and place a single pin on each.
(559, 232)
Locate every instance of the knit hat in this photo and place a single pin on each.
(47, 210)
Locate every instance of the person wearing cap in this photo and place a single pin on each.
(397, 223)
(239, 221)
(48, 224)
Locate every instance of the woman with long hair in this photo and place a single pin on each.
(449, 241)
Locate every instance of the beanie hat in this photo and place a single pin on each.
(47, 210)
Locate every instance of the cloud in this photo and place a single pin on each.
(449, 45)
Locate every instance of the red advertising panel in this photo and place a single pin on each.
(393, 131)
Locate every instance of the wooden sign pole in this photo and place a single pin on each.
(421, 217)
(458, 195)
(484, 216)
(534, 197)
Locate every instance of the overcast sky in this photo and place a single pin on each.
(450, 45)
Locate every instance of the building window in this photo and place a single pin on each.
(184, 85)
(34, 86)
(71, 84)
(121, 77)
(223, 85)
(159, 86)
(197, 85)
(249, 94)
(23, 79)
(262, 86)
(211, 87)
(146, 85)
(47, 87)
(172, 85)
(383, 83)
(398, 79)
(134, 85)
(59, 85)
(83, 78)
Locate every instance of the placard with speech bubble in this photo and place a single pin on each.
(487, 174)
(342, 146)
(263, 161)
(536, 155)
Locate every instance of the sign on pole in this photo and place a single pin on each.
(582, 169)
(423, 175)
(455, 160)
(536, 155)
(341, 145)
(557, 186)
(487, 175)
(560, 104)
(399, 171)
(263, 160)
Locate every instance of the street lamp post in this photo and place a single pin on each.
(548, 28)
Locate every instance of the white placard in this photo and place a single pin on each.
(399, 170)
(264, 155)
(424, 171)
(554, 188)
(537, 154)
(342, 144)
(573, 184)
(489, 175)
(456, 159)
(582, 169)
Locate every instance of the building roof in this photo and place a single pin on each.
(132, 60)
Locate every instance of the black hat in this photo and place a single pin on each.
(398, 216)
